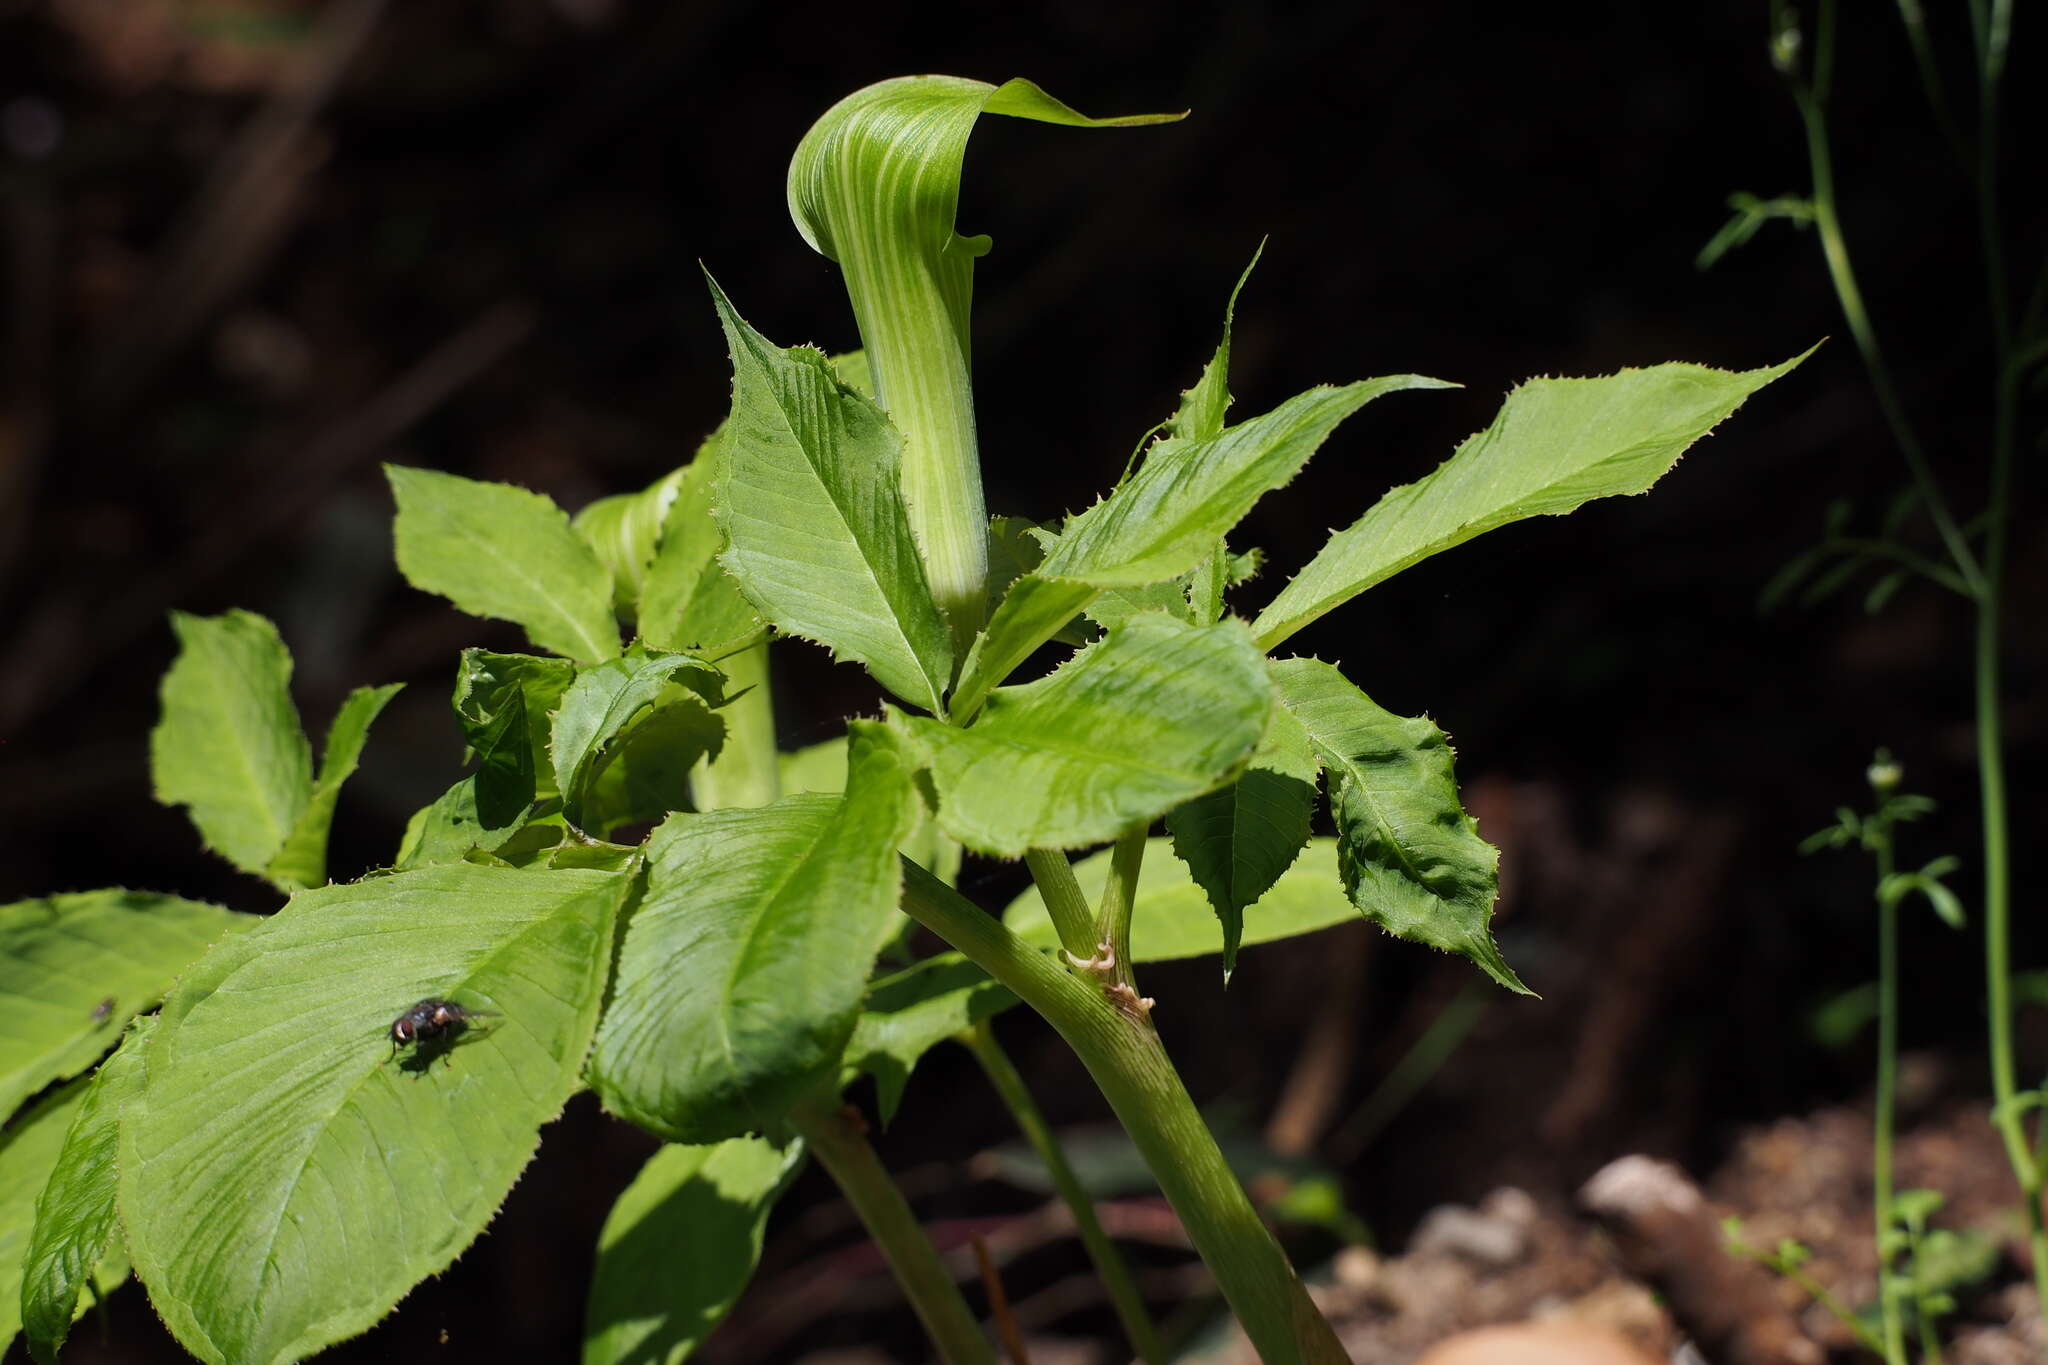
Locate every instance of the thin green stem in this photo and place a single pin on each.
(1064, 900)
(1119, 895)
(1992, 25)
(1452, 1025)
(1915, 21)
(1886, 1099)
(1835, 250)
(1123, 1053)
(745, 772)
(1109, 1262)
(838, 1138)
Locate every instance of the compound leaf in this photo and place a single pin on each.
(1173, 919)
(1411, 858)
(75, 1217)
(1238, 839)
(285, 1177)
(1156, 713)
(229, 747)
(679, 1247)
(302, 862)
(744, 963)
(1556, 444)
(910, 1013)
(503, 552)
(1163, 521)
(75, 968)
(814, 519)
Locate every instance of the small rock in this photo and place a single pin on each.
(1536, 1344)
(1454, 1230)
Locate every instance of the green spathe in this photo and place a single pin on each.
(284, 1178)
(875, 186)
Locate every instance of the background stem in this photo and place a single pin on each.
(1109, 1262)
(1130, 1066)
(1886, 1099)
(838, 1138)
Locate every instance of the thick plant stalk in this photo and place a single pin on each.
(838, 1138)
(1109, 1262)
(1122, 1051)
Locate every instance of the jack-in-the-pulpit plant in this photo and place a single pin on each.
(281, 1123)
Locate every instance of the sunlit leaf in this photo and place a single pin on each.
(286, 1174)
(503, 552)
(228, 746)
(1555, 445)
(302, 862)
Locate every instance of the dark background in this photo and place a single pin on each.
(234, 285)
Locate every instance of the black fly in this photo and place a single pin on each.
(431, 1027)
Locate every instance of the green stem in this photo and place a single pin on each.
(1812, 114)
(1119, 895)
(1993, 26)
(1887, 1090)
(1109, 1262)
(1124, 1055)
(838, 1138)
(1064, 900)
(745, 772)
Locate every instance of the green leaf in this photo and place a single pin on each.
(1166, 518)
(744, 963)
(1162, 521)
(1157, 713)
(503, 552)
(75, 968)
(285, 1179)
(688, 600)
(29, 1147)
(910, 1013)
(302, 862)
(1172, 918)
(604, 699)
(455, 825)
(875, 186)
(814, 518)
(1411, 858)
(1555, 445)
(502, 700)
(75, 1217)
(623, 531)
(1200, 414)
(821, 768)
(679, 1247)
(1238, 839)
(645, 773)
(229, 747)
